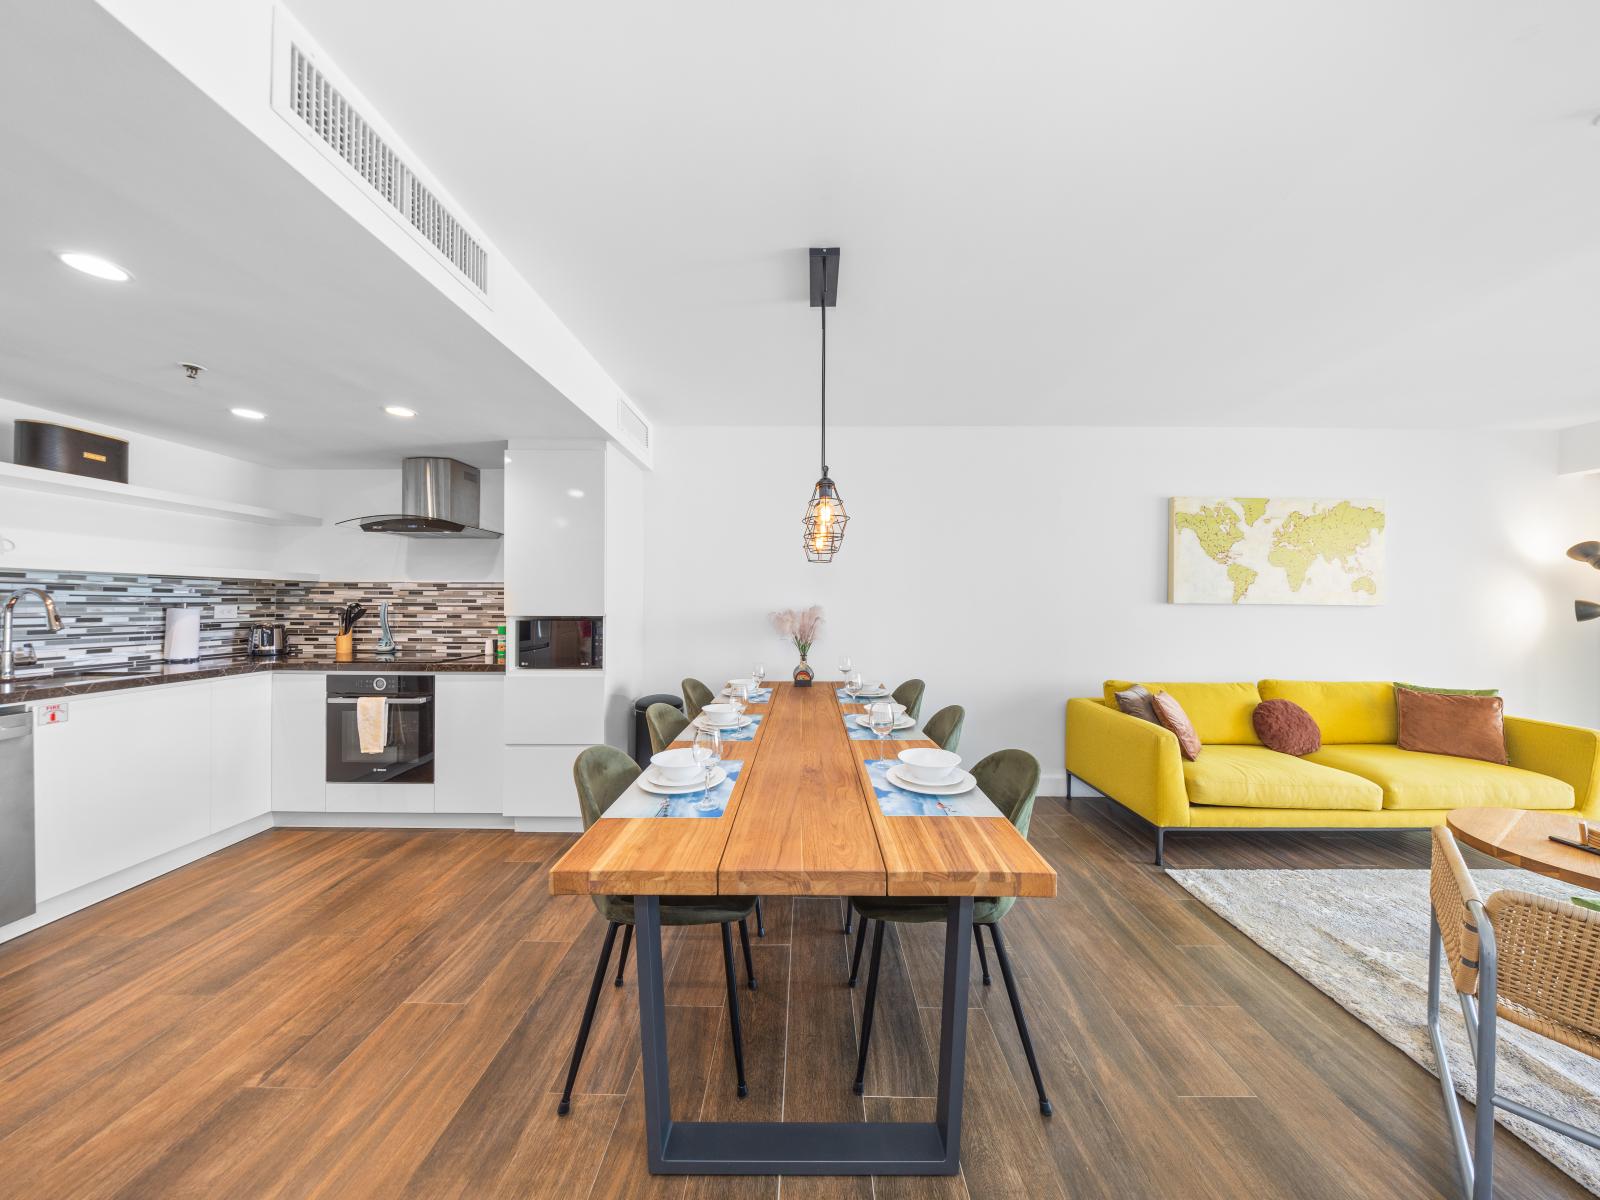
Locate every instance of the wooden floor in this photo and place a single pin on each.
(388, 1014)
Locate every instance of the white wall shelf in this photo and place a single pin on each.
(36, 479)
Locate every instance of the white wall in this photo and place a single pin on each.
(42, 531)
(1014, 567)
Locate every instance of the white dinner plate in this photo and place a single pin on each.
(648, 783)
(900, 722)
(879, 694)
(962, 783)
(743, 722)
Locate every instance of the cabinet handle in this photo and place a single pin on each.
(395, 700)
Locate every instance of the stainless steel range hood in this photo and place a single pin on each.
(438, 499)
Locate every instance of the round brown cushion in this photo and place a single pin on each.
(1284, 726)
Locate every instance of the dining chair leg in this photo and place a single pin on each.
(848, 913)
(761, 921)
(749, 967)
(977, 936)
(855, 960)
(622, 961)
(866, 1013)
(1016, 1012)
(588, 1018)
(733, 1007)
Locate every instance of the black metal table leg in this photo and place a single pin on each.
(796, 1148)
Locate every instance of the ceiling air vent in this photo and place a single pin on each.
(328, 111)
(632, 425)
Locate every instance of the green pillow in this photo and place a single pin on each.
(1583, 902)
(1417, 687)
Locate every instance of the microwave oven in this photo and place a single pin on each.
(559, 643)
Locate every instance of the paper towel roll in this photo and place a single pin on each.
(182, 641)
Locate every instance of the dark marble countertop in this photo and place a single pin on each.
(114, 679)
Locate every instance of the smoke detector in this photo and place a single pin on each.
(191, 371)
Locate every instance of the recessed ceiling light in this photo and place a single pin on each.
(575, 493)
(399, 410)
(93, 264)
(249, 414)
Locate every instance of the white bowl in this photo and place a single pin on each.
(748, 684)
(724, 716)
(924, 764)
(676, 766)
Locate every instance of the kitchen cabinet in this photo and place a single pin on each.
(555, 529)
(469, 743)
(241, 749)
(299, 740)
(125, 778)
(538, 782)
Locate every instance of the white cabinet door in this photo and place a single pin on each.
(468, 743)
(241, 749)
(299, 754)
(538, 781)
(125, 778)
(555, 529)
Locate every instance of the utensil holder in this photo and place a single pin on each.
(344, 647)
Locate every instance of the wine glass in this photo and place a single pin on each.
(846, 666)
(852, 684)
(759, 674)
(880, 717)
(707, 751)
(738, 696)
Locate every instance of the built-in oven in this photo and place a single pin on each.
(399, 741)
(560, 643)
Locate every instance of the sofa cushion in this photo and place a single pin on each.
(1177, 722)
(1137, 702)
(1255, 777)
(1443, 723)
(1284, 726)
(1360, 713)
(1220, 711)
(1411, 780)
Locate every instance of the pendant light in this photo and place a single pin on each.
(825, 515)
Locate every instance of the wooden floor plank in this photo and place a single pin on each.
(389, 1012)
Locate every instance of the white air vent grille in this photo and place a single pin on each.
(630, 423)
(307, 92)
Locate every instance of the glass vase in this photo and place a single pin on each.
(803, 674)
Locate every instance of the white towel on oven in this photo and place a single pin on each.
(372, 723)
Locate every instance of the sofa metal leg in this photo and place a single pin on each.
(1069, 785)
(1161, 847)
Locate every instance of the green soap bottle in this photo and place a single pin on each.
(500, 644)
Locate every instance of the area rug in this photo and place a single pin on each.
(1362, 938)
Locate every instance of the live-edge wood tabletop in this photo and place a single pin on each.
(803, 821)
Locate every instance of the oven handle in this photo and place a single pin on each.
(390, 699)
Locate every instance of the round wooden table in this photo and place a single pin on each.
(1522, 838)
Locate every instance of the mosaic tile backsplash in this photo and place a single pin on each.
(112, 619)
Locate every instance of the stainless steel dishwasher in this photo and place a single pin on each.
(16, 815)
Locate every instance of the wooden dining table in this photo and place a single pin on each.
(803, 820)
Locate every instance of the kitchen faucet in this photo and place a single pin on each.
(53, 618)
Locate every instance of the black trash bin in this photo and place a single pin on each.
(641, 731)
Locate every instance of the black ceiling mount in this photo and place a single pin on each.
(824, 276)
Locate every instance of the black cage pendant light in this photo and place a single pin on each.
(825, 515)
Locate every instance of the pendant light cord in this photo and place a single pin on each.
(824, 373)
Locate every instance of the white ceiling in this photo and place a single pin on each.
(1143, 212)
(239, 263)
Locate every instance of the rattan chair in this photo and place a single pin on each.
(665, 723)
(602, 774)
(1518, 957)
(696, 696)
(944, 727)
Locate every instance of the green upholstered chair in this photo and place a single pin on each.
(665, 724)
(602, 774)
(696, 696)
(1010, 778)
(909, 693)
(944, 727)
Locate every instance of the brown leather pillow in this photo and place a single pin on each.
(1465, 726)
(1175, 719)
(1284, 726)
(1136, 703)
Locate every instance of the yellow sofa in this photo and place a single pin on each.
(1359, 779)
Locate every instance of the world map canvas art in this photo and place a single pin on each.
(1264, 550)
